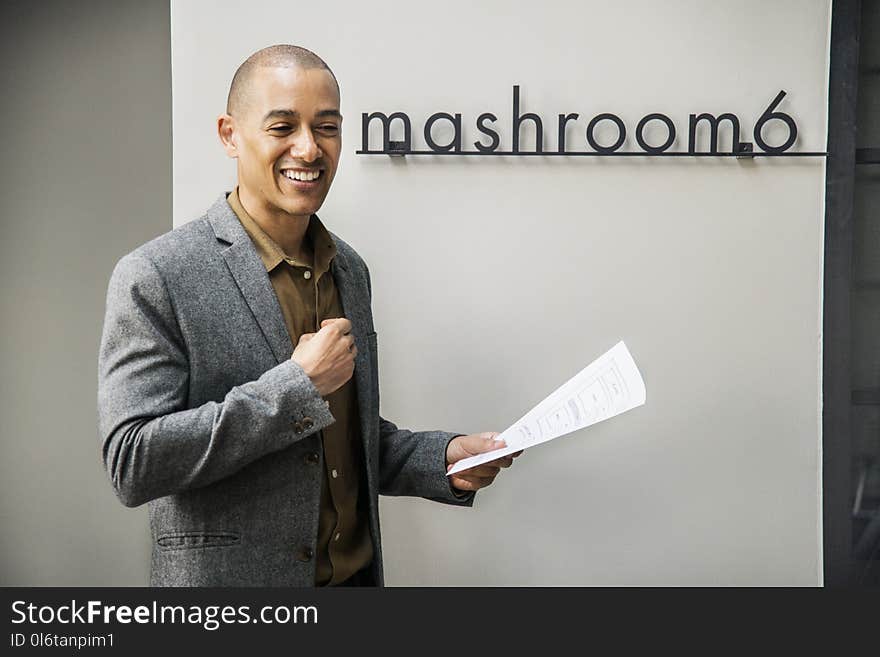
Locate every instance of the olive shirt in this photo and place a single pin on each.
(307, 295)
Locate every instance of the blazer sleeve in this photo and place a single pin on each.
(152, 444)
(414, 463)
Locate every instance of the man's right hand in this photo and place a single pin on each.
(328, 355)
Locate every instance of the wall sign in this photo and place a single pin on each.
(490, 140)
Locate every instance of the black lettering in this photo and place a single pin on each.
(621, 129)
(386, 130)
(713, 127)
(456, 139)
(670, 126)
(481, 120)
(770, 115)
(563, 119)
(518, 120)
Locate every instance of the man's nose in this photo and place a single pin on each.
(305, 147)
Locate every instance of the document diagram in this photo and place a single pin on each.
(608, 386)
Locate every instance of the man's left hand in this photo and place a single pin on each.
(484, 474)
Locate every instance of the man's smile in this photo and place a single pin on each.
(304, 175)
(303, 180)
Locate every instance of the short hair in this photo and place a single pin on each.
(278, 56)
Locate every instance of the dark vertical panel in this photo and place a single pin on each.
(85, 177)
(836, 387)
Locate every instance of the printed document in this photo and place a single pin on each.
(608, 386)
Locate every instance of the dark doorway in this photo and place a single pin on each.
(851, 346)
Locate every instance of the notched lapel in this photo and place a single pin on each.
(250, 275)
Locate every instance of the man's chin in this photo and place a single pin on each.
(298, 208)
(302, 210)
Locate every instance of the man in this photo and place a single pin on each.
(238, 385)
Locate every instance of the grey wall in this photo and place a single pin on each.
(86, 176)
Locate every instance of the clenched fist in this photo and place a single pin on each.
(328, 355)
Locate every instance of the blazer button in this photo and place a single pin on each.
(304, 554)
(308, 423)
(297, 427)
(312, 458)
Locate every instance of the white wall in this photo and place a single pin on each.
(496, 279)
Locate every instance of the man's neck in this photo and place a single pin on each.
(288, 231)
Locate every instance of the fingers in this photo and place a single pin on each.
(337, 330)
(489, 469)
(470, 483)
(504, 461)
(337, 323)
(347, 344)
(328, 356)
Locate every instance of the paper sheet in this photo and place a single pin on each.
(608, 386)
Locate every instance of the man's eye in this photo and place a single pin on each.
(329, 128)
(280, 128)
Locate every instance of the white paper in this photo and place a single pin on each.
(608, 386)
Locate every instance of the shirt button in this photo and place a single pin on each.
(336, 538)
(304, 554)
(334, 474)
(307, 423)
(312, 458)
(307, 274)
(297, 427)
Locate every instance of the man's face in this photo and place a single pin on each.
(288, 139)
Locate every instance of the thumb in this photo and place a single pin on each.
(327, 322)
(490, 441)
(478, 443)
(305, 337)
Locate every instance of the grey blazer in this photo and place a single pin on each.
(203, 415)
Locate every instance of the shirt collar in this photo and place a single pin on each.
(323, 246)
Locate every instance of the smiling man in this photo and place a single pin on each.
(238, 386)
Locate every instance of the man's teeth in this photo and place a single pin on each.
(305, 176)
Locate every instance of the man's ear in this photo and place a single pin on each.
(226, 132)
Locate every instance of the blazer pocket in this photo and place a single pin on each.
(197, 540)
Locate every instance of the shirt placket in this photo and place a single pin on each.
(333, 470)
